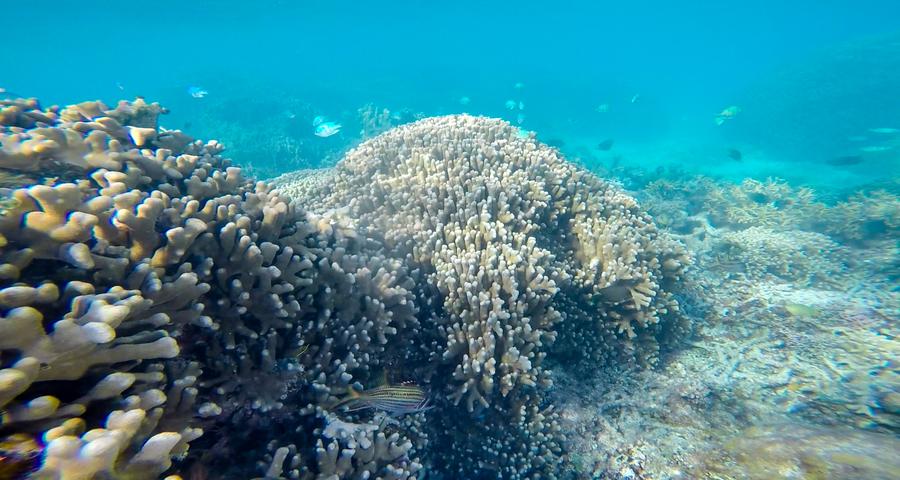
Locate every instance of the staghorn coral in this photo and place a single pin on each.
(769, 203)
(865, 217)
(375, 120)
(760, 253)
(688, 205)
(693, 206)
(519, 248)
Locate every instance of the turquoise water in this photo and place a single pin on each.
(807, 75)
(674, 256)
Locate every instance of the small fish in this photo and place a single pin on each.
(318, 120)
(510, 104)
(875, 148)
(845, 160)
(302, 350)
(327, 129)
(800, 310)
(885, 130)
(393, 399)
(603, 108)
(727, 113)
(290, 115)
(735, 154)
(521, 105)
(464, 100)
(197, 92)
(119, 86)
(520, 118)
(519, 85)
(635, 98)
(605, 145)
(7, 94)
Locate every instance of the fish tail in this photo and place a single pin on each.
(425, 405)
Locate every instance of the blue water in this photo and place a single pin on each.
(806, 74)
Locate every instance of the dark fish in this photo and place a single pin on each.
(845, 160)
(605, 145)
(556, 142)
(393, 399)
(735, 154)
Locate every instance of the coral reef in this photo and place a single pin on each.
(263, 144)
(162, 314)
(690, 206)
(152, 293)
(789, 451)
(519, 248)
(808, 366)
(866, 216)
(800, 257)
(794, 346)
(375, 120)
(162, 291)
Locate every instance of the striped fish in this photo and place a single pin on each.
(393, 399)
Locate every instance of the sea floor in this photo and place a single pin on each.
(780, 380)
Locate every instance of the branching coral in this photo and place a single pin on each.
(761, 253)
(683, 206)
(519, 247)
(163, 290)
(159, 293)
(865, 217)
